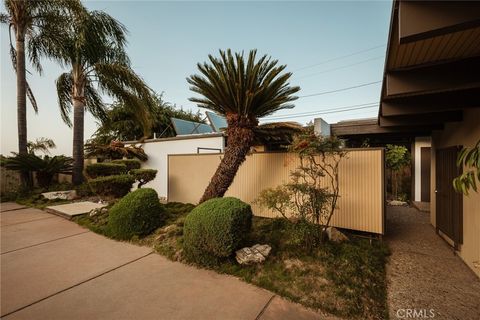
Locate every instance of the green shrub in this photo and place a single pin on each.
(215, 229)
(129, 163)
(84, 190)
(117, 186)
(143, 175)
(103, 169)
(137, 214)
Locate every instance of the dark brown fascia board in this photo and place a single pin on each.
(427, 19)
(445, 77)
(447, 101)
(373, 129)
(422, 119)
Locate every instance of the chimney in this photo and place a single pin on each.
(321, 127)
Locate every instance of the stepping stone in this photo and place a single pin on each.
(71, 210)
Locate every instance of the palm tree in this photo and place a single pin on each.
(35, 25)
(94, 51)
(243, 93)
(41, 144)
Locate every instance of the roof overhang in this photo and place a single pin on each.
(432, 65)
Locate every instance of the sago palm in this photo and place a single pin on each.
(242, 91)
(35, 26)
(93, 49)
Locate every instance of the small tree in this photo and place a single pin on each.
(396, 158)
(468, 180)
(313, 191)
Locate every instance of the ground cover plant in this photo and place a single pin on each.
(345, 279)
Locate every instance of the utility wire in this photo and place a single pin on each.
(322, 113)
(341, 57)
(338, 90)
(307, 113)
(338, 68)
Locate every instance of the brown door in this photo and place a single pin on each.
(449, 211)
(425, 174)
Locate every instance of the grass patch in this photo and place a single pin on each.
(346, 279)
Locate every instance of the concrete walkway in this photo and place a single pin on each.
(424, 273)
(54, 269)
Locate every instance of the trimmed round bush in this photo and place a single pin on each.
(129, 163)
(215, 229)
(116, 186)
(143, 175)
(104, 169)
(137, 214)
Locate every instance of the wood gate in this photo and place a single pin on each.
(449, 211)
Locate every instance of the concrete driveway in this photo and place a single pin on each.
(52, 268)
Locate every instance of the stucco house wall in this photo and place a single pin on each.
(159, 149)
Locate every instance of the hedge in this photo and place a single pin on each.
(143, 175)
(137, 214)
(103, 169)
(129, 163)
(215, 229)
(117, 185)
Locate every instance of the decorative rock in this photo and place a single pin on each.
(264, 249)
(251, 255)
(61, 195)
(97, 211)
(397, 203)
(335, 235)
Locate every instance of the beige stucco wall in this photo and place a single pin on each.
(465, 133)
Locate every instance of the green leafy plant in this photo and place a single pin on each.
(45, 168)
(470, 159)
(103, 169)
(311, 195)
(41, 144)
(116, 186)
(215, 229)
(396, 158)
(143, 176)
(137, 214)
(115, 150)
(129, 163)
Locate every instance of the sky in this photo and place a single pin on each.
(327, 45)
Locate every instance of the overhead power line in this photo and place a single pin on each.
(338, 68)
(341, 57)
(338, 90)
(321, 109)
(328, 112)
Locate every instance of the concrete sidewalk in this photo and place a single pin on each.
(53, 269)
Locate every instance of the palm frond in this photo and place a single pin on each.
(251, 89)
(64, 86)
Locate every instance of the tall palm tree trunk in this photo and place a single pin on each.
(22, 102)
(78, 120)
(21, 96)
(240, 137)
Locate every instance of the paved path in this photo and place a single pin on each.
(424, 273)
(54, 269)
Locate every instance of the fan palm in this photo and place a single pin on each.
(93, 49)
(242, 91)
(35, 26)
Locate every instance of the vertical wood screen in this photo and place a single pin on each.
(361, 173)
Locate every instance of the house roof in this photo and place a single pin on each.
(432, 64)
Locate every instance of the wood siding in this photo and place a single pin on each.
(361, 203)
